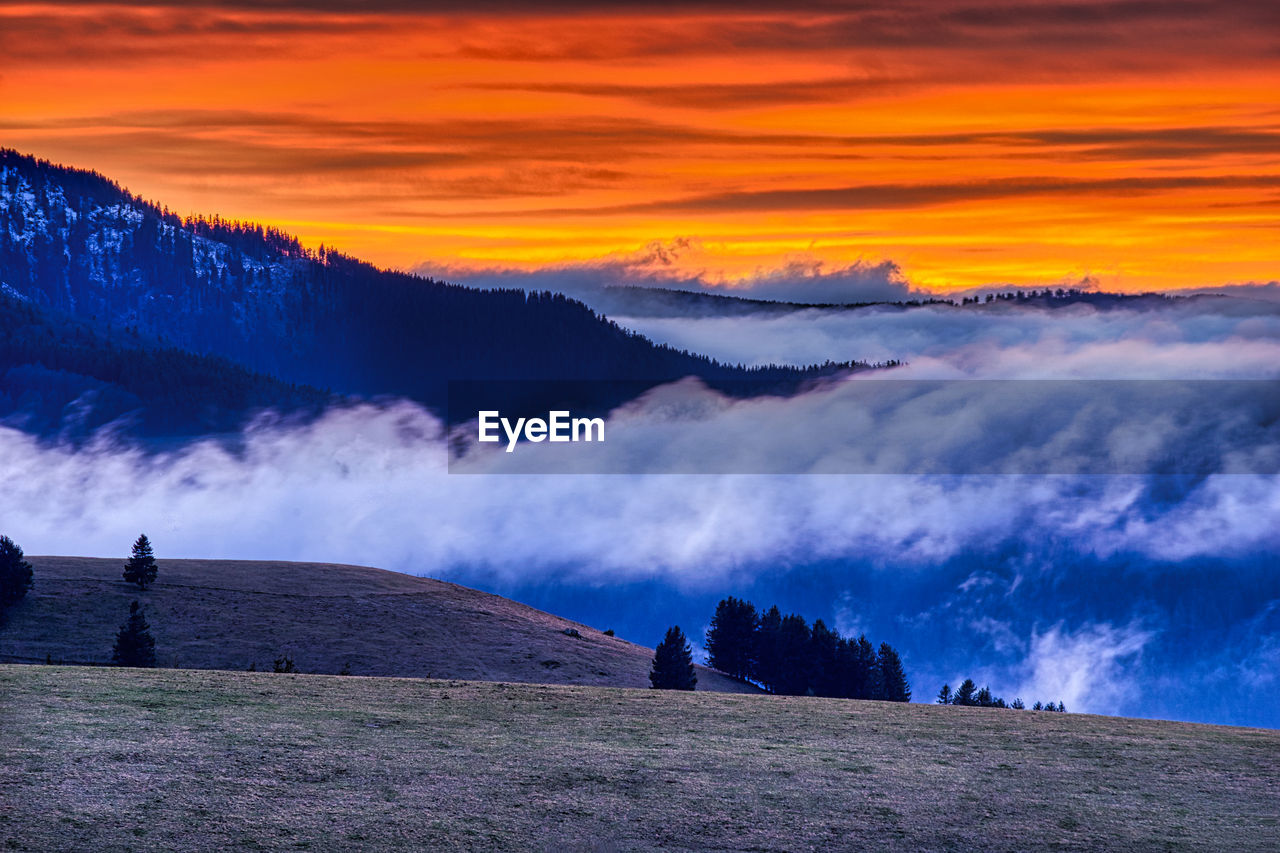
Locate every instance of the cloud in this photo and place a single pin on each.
(1093, 590)
(80, 34)
(1268, 291)
(1225, 338)
(370, 484)
(892, 196)
(724, 96)
(767, 122)
(1175, 30)
(883, 426)
(688, 264)
(1089, 669)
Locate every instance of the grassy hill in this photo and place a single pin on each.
(110, 759)
(233, 614)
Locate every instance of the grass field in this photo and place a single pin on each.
(108, 759)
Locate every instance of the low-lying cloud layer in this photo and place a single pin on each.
(1060, 587)
(884, 426)
(686, 264)
(1206, 337)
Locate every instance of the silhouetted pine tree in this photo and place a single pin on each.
(965, 694)
(793, 656)
(15, 573)
(134, 644)
(845, 655)
(862, 682)
(892, 679)
(141, 568)
(787, 657)
(768, 656)
(673, 663)
(731, 639)
(824, 649)
(944, 695)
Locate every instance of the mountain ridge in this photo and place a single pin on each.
(650, 301)
(75, 242)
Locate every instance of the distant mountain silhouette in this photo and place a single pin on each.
(82, 250)
(643, 301)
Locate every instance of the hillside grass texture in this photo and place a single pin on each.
(233, 614)
(111, 759)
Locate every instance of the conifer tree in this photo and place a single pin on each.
(824, 650)
(846, 651)
(15, 573)
(731, 639)
(793, 656)
(944, 695)
(893, 680)
(768, 654)
(965, 694)
(864, 671)
(141, 568)
(673, 663)
(134, 644)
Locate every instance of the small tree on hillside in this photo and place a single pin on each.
(966, 693)
(141, 568)
(134, 644)
(673, 663)
(15, 573)
(944, 695)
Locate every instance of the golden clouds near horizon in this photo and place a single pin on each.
(971, 143)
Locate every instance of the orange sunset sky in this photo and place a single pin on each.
(970, 142)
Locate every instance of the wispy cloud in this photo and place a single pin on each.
(883, 196)
(690, 264)
(1089, 668)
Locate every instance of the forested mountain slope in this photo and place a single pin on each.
(75, 243)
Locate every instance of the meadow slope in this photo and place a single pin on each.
(109, 759)
(233, 614)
